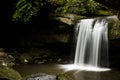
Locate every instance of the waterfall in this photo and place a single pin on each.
(91, 37)
(92, 42)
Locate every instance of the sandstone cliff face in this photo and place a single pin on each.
(61, 30)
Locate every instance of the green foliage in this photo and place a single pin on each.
(57, 3)
(91, 6)
(64, 76)
(79, 7)
(25, 9)
(104, 12)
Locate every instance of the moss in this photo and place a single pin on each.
(102, 12)
(9, 74)
(114, 29)
(64, 76)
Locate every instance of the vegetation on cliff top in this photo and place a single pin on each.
(26, 9)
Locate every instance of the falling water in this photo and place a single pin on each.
(91, 36)
(92, 42)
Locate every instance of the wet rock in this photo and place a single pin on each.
(59, 60)
(39, 61)
(6, 60)
(40, 76)
(2, 54)
(25, 58)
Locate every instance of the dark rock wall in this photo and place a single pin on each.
(114, 4)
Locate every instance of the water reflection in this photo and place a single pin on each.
(25, 70)
(87, 75)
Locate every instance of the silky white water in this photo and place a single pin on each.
(91, 52)
(92, 42)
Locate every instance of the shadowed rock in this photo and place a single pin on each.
(114, 4)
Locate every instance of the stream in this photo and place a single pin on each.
(29, 69)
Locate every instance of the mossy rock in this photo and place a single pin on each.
(104, 13)
(114, 29)
(63, 76)
(9, 73)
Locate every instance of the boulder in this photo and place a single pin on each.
(7, 73)
(40, 76)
